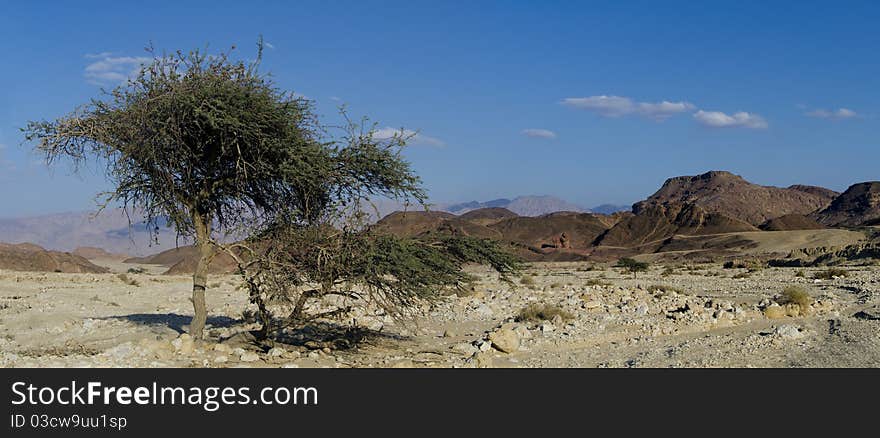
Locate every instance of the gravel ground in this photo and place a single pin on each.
(687, 316)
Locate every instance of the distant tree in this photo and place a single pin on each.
(632, 265)
(211, 146)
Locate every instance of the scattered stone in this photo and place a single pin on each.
(249, 356)
(184, 344)
(221, 358)
(505, 339)
(276, 352)
(788, 331)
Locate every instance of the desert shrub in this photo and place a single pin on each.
(796, 295)
(800, 274)
(541, 312)
(632, 265)
(527, 280)
(597, 282)
(741, 275)
(129, 281)
(830, 273)
(662, 288)
(556, 285)
(136, 270)
(667, 272)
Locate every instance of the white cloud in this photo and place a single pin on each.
(607, 106)
(415, 138)
(112, 70)
(539, 133)
(742, 119)
(841, 113)
(616, 106)
(268, 45)
(664, 109)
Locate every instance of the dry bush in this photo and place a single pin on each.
(129, 281)
(741, 275)
(527, 280)
(800, 274)
(662, 288)
(136, 270)
(830, 273)
(542, 312)
(597, 282)
(796, 295)
(668, 271)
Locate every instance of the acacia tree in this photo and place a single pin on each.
(209, 145)
(213, 148)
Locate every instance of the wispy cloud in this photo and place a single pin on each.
(268, 45)
(839, 114)
(718, 119)
(415, 138)
(109, 70)
(617, 106)
(539, 133)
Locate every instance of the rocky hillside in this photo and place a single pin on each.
(731, 195)
(654, 223)
(30, 257)
(791, 222)
(858, 205)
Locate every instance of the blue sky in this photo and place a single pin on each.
(593, 102)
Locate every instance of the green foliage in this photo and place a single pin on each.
(632, 265)
(291, 265)
(541, 312)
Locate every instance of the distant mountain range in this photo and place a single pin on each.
(530, 206)
(714, 202)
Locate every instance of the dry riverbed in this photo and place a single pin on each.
(687, 316)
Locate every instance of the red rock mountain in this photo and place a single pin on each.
(655, 222)
(30, 257)
(731, 195)
(858, 205)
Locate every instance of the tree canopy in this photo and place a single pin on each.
(211, 146)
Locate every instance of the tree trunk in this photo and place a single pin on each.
(200, 276)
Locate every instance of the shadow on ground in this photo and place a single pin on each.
(174, 321)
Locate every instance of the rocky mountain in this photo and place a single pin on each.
(30, 257)
(521, 205)
(858, 205)
(610, 208)
(656, 222)
(731, 195)
(109, 231)
(791, 222)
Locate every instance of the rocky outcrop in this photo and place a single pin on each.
(858, 205)
(30, 257)
(731, 195)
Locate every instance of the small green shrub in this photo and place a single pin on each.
(527, 280)
(632, 265)
(136, 270)
(800, 274)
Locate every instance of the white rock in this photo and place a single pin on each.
(788, 331)
(249, 356)
(505, 339)
(276, 352)
(221, 358)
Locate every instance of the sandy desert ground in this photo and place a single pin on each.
(685, 316)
